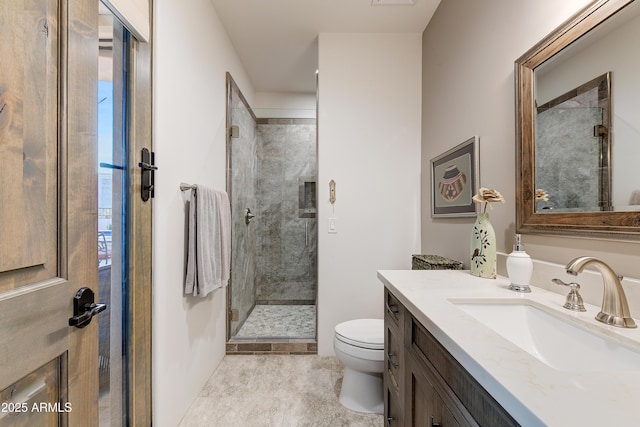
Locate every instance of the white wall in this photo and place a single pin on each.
(469, 49)
(369, 143)
(285, 105)
(191, 55)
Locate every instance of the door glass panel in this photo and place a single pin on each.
(112, 227)
(37, 399)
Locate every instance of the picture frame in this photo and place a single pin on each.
(455, 179)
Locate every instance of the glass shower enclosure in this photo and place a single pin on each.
(271, 181)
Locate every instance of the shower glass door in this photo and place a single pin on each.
(271, 180)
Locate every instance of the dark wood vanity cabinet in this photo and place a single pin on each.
(394, 364)
(424, 385)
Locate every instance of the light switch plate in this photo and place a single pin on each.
(332, 227)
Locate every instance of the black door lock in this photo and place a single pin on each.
(84, 308)
(148, 168)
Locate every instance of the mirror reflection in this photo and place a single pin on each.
(572, 151)
(587, 121)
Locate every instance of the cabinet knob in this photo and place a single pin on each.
(433, 423)
(389, 419)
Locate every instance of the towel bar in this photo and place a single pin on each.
(185, 187)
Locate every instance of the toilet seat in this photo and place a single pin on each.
(363, 333)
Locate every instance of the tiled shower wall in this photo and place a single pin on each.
(567, 133)
(244, 192)
(287, 255)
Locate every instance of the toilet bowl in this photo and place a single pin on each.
(359, 345)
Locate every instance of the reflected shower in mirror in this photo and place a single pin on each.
(589, 184)
(572, 152)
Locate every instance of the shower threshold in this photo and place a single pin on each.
(277, 329)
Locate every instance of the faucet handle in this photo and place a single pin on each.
(572, 285)
(574, 301)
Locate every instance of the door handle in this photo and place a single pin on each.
(248, 216)
(306, 234)
(84, 308)
(148, 167)
(392, 309)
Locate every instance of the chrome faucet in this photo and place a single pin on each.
(615, 310)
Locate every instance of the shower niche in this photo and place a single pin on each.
(307, 197)
(272, 170)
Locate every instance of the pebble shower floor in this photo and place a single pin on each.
(280, 321)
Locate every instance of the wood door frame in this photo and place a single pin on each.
(78, 125)
(140, 236)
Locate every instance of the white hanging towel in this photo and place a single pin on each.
(209, 241)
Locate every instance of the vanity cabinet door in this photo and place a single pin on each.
(393, 311)
(393, 375)
(393, 357)
(424, 406)
(393, 411)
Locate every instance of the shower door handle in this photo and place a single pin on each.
(248, 216)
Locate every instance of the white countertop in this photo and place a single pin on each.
(531, 391)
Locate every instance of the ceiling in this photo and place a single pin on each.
(277, 40)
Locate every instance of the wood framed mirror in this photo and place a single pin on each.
(598, 41)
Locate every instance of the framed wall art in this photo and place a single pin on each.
(454, 180)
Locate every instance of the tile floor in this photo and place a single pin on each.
(280, 321)
(275, 391)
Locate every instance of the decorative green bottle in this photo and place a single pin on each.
(483, 248)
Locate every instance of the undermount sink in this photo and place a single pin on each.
(559, 342)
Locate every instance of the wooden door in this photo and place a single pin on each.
(48, 228)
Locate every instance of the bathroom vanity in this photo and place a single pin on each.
(424, 385)
(453, 356)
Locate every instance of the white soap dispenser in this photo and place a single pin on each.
(519, 268)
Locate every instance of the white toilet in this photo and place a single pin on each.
(359, 345)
